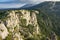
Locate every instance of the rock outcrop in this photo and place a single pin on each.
(22, 25)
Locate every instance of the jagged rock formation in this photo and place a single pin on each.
(18, 22)
(23, 25)
(3, 31)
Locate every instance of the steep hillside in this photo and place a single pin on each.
(18, 25)
(29, 25)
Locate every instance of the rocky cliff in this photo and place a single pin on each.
(25, 25)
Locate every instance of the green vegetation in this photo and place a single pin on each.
(3, 15)
(9, 37)
(23, 22)
(48, 23)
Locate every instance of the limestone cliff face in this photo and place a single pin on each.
(19, 24)
(24, 25)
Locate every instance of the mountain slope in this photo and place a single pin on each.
(43, 23)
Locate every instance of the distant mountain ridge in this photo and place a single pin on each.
(46, 3)
(47, 7)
